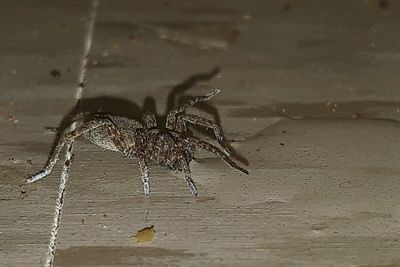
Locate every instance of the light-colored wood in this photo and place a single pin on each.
(38, 37)
(309, 90)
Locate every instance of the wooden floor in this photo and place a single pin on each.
(309, 99)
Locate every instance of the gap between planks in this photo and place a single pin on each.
(65, 172)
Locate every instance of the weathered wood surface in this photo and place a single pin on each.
(37, 38)
(308, 89)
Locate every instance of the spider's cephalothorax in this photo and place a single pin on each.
(171, 147)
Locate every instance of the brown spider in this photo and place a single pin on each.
(172, 147)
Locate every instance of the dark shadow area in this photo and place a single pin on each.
(181, 88)
(126, 108)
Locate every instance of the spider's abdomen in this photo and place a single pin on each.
(104, 136)
(101, 138)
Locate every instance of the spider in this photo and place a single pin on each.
(172, 147)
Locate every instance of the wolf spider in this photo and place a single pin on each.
(172, 147)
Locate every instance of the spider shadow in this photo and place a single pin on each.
(126, 108)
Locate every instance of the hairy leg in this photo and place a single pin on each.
(70, 137)
(197, 120)
(144, 170)
(50, 163)
(215, 150)
(171, 117)
(149, 120)
(189, 180)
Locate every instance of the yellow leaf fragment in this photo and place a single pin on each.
(144, 235)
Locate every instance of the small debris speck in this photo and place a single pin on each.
(287, 6)
(55, 73)
(384, 4)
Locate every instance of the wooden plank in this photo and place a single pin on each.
(312, 202)
(39, 56)
(308, 93)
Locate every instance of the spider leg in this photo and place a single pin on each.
(215, 150)
(50, 164)
(197, 120)
(144, 170)
(70, 137)
(149, 120)
(171, 117)
(189, 180)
